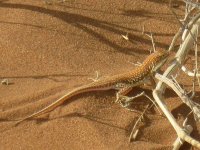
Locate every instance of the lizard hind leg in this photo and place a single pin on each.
(127, 100)
(121, 94)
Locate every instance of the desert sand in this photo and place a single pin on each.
(48, 50)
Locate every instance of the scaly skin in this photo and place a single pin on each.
(121, 82)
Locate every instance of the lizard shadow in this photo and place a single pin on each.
(89, 117)
(142, 101)
(100, 120)
(138, 104)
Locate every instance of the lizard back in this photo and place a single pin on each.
(134, 77)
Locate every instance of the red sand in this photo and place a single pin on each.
(48, 50)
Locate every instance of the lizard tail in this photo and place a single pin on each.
(55, 103)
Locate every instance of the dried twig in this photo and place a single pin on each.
(126, 37)
(96, 78)
(5, 82)
(160, 88)
(134, 132)
(184, 27)
(178, 142)
(151, 37)
(189, 73)
(192, 4)
(196, 61)
(181, 93)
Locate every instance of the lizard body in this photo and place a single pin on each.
(122, 82)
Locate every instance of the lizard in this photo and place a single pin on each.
(123, 83)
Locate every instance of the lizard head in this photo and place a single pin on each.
(158, 59)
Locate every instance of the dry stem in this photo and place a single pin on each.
(160, 88)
